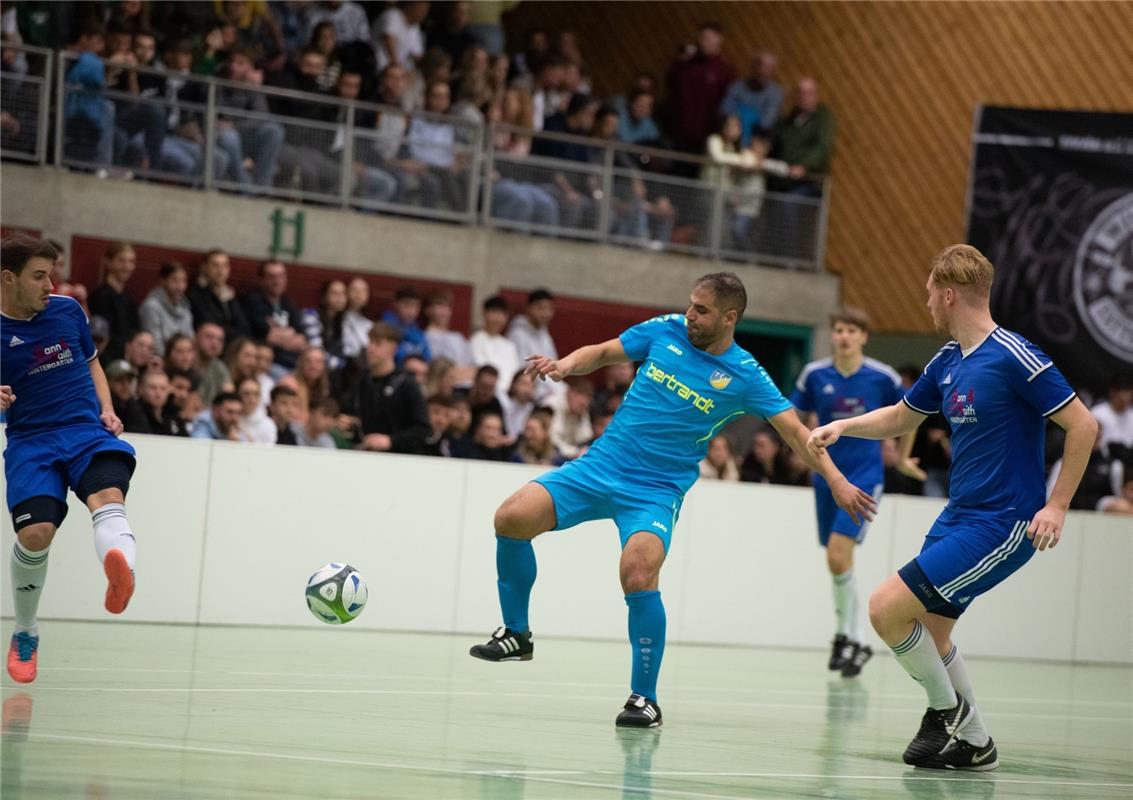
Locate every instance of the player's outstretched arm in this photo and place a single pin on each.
(883, 423)
(1081, 430)
(102, 389)
(850, 498)
(582, 361)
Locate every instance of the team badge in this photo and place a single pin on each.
(720, 380)
(1103, 278)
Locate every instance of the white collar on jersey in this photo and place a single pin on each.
(965, 352)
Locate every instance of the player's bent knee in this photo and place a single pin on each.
(36, 537)
(97, 500)
(36, 519)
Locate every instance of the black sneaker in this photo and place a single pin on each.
(505, 645)
(965, 755)
(861, 654)
(938, 729)
(841, 651)
(639, 712)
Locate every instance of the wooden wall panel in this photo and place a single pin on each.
(903, 80)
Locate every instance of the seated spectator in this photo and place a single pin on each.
(570, 427)
(697, 82)
(441, 381)
(100, 333)
(444, 342)
(897, 481)
(535, 446)
(184, 397)
(214, 374)
(162, 418)
(514, 198)
(387, 405)
(283, 410)
(518, 404)
(440, 417)
(273, 316)
(241, 135)
(255, 28)
(649, 220)
(536, 49)
(140, 352)
(183, 148)
(294, 22)
(255, 424)
(459, 427)
(804, 139)
(797, 472)
(488, 442)
(370, 182)
(1115, 416)
(139, 116)
(397, 35)
(433, 142)
(403, 316)
(765, 462)
(418, 368)
(1102, 484)
(356, 322)
(123, 381)
(635, 118)
(531, 333)
(61, 278)
(180, 355)
(221, 422)
(312, 380)
(616, 380)
(482, 397)
(19, 98)
(435, 66)
(265, 357)
(452, 36)
(323, 325)
(489, 345)
(166, 310)
(349, 20)
(499, 67)
(242, 357)
(88, 114)
(213, 300)
(315, 432)
(755, 100)
(547, 95)
(112, 302)
(719, 464)
(738, 169)
(574, 192)
(324, 42)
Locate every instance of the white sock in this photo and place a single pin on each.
(975, 732)
(112, 530)
(29, 571)
(918, 656)
(846, 605)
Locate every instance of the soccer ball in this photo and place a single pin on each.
(336, 593)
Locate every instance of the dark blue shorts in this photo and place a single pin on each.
(589, 488)
(966, 554)
(46, 464)
(832, 519)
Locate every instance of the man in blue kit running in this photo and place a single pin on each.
(62, 432)
(997, 391)
(693, 380)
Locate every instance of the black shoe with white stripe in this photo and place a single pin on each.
(505, 645)
(841, 650)
(938, 730)
(965, 755)
(639, 712)
(853, 667)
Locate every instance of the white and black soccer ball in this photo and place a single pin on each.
(336, 593)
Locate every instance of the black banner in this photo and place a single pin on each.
(1051, 205)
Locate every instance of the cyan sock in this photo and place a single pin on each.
(647, 640)
(515, 575)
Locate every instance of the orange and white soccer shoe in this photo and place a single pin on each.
(120, 578)
(22, 656)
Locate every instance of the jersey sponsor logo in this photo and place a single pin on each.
(50, 357)
(16, 340)
(720, 380)
(676, 350)
(962, 407)
(678, 387)
(1103, 278)
(845, 407)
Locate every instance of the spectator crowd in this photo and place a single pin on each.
(135, 104)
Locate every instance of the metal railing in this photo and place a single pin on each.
(212, 133)
(25, 98)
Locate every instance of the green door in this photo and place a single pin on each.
(781, 347)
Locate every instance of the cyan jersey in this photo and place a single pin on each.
(821, 388)
(680, 398)
(44, 360)
(996, 399)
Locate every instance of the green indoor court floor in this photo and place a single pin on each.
(146, 711)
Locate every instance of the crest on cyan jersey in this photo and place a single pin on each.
(720, 380)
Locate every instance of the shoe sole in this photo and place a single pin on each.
(121, 581)
(635, 725)
(973, 768)
(21, 678)
(524, 657)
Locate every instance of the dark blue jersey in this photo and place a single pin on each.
(45, 361)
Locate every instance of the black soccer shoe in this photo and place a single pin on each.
(965, 755)
(938, 730)
(841, 651)
(861, 654)
(505, 645)
(639, 712)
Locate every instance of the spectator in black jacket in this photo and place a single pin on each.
(110, 300)
(284, 410)
(386, 402)
(273, 316)
(213, 300)
(163, 418)
(123, 381)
